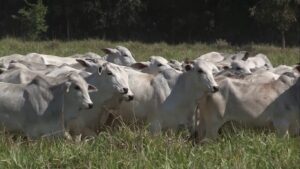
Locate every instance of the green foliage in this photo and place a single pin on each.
(281, 14)
(154, 20)
(32, 17)
(113, 18)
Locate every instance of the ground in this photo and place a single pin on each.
(134, 147)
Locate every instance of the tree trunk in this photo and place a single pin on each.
(283, 39)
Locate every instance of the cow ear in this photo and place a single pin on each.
(68, 85)
(139, 65)
(83, 62)
(109, 50)
(246, 56)
(188, 67)
(92, 88)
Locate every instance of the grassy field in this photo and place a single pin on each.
(135, 148)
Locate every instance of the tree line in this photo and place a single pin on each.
(234, 21)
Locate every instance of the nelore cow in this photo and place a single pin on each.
(253, 103)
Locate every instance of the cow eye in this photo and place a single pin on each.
(159, 64)
(109, 73)
(238, 68)
(77, 87)
(125, 55)
(200, 71)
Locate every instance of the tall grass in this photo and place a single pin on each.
(136, 148)
(142, 51)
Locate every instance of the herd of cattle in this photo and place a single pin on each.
(45, 95)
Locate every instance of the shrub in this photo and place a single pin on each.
(32, 17)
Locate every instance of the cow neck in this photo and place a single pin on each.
(58, 90)
(98, 81)
(58, 102)
(184, 94)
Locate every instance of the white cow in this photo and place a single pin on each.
(213, 57)
(149, 92)
(155, 65)
(52, 60)
(178, 108)
(40, 108)
(251, 64)
(6, 60)
(119, 55)
(223, 61)
(255, 104)
(23, 71)
(112, 83)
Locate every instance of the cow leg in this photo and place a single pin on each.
(212, 129)
(155, 127)
(294, 129)
(87, 132)
(282, 127)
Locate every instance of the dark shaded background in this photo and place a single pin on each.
(173, 21)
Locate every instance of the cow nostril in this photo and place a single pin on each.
(130, 97)
(90, 106)
(215, 89)
(125, 90)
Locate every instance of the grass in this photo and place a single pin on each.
(136, 148)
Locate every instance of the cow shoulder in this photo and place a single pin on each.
(39, 95)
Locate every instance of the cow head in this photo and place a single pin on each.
(240, 67)
(202, 76)
(108, 77)
(119, 55)
(154, 66)
(117, 80)
(78, 90)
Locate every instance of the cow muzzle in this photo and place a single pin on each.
(128, 97)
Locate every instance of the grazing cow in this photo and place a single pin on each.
(119, 55)
(112, 83)
(154, 66)
(40, 108)
(6, 60)
(250, 64)
(52, 60)
(223, 61)
(255, 104)
(213, 57)
(177, 110)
